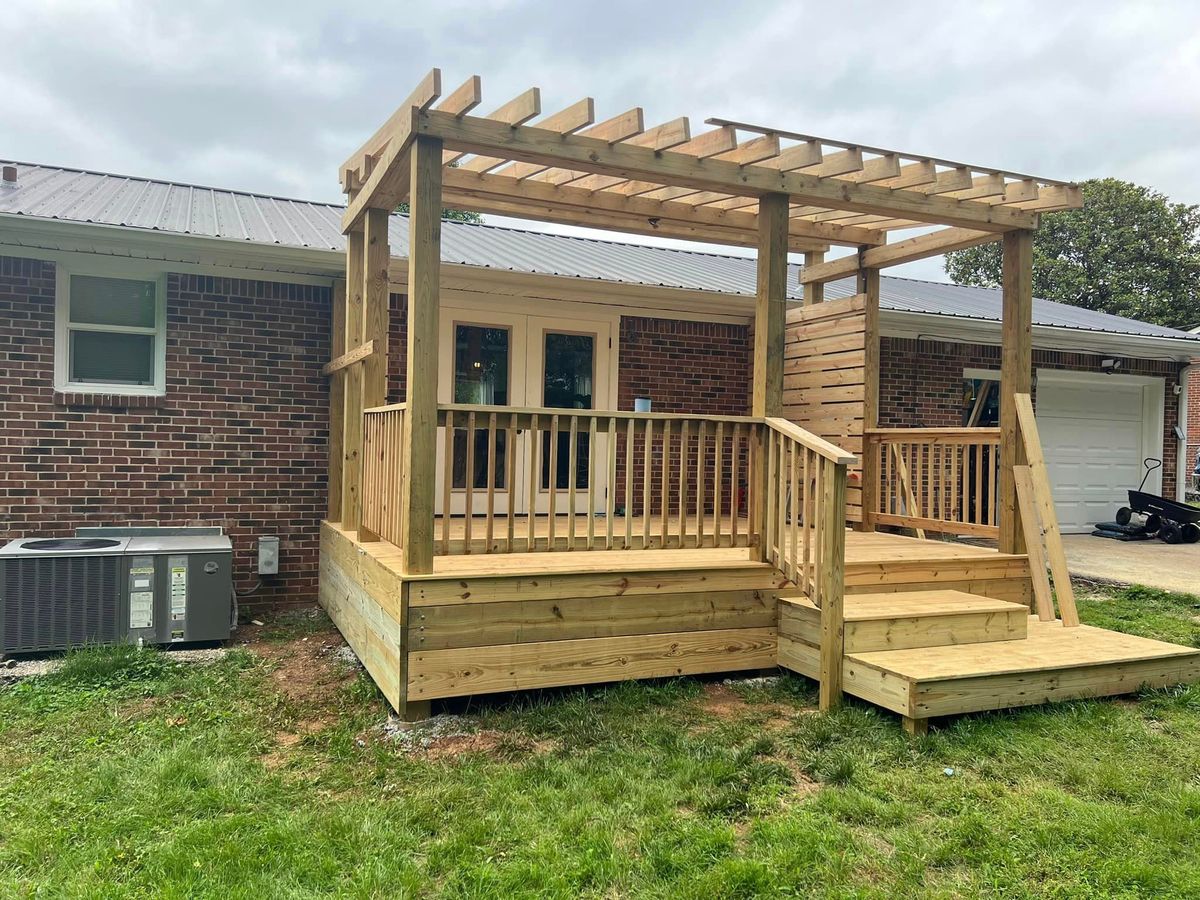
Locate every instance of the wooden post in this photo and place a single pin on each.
(337, 398)
(376, 254)
(833, 585)
(1016, 377)
(420, 423)
(375, 306)
(814, 291)
(868, 285)
(769, 313)
(770, 305)
(353, 407)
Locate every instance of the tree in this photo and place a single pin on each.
(1129, 251)
(451, 215)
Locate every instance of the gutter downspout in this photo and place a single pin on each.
(1182, 463)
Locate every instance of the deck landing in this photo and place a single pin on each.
(1052, 663)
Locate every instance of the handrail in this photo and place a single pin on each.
(820, 446)
(391, 407)
(804, 533)
(620, 415)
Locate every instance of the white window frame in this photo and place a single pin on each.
(62, 329)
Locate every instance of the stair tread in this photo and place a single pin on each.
(915, 604)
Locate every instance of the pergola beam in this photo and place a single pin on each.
(530, 144)
(945, 240)
(486, 188)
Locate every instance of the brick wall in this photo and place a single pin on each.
(683, 367)
(921, 383)
(239, 440)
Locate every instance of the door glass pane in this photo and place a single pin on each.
(105, 357)
(481, 368)
(569, 380)
(112, 301)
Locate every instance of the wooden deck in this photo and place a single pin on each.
(932, 628)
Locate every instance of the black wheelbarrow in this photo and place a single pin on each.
(1174, 522)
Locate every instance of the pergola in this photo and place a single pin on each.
(735, 183)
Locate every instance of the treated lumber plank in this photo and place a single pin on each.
(1042, 495)
(572, 618)
(352, 432)
(937, 243)
(419, 453)
(1032, 523)
(337, 399)
(482, 670)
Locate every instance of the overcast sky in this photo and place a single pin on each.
(270, 97)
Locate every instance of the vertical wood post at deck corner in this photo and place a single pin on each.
(1016, 377)
(376, 255)
(420, 420)
(337, 398)
(352, 407)
(832, 577)
(770, 308)
(868, 286)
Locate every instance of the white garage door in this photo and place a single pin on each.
(1095, 431)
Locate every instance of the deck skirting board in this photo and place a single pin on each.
(472, 624)
(484, 670)
(962, 695)
(368, 628)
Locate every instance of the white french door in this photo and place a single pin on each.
(505, 359)
(568, 369)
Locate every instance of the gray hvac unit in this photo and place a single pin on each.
(58, 593)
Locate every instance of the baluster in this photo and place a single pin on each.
(610, 488)
(489, 526)
(683, 482)
(535, 477)
(647, 460)
(735, 468)
(718, 483)
(701, 477)
(794, 505)
(572, 467)
(665, 511)
(591, 483)
(510, 479)
(552, 483)
(772, 494)
(806, 515)
(630, 424)
(781, 490)
(469, 496)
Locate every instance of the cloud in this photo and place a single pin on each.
(272, 96)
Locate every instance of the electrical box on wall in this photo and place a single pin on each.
(268, 556)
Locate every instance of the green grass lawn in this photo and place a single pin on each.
(266, 775)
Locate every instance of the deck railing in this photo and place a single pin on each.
(536, 479)
(806, 508)
(382, 473)
(936, 479)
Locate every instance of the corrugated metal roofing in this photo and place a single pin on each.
(48, 192)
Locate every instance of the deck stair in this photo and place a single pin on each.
(908, 620)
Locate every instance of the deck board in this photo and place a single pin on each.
(1049, 646)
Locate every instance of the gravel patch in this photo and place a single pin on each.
(762, 681)
(16, 669)
(416, 736)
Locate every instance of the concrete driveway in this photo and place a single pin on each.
(1152, 563)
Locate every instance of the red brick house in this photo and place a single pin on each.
(161, 349)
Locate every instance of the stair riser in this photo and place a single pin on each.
(909, 632)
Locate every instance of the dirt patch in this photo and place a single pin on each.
(306, 670)
(480, 742)
(722, 702)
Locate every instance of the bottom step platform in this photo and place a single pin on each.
(1053, 663)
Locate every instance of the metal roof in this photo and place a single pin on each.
(50, 192)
